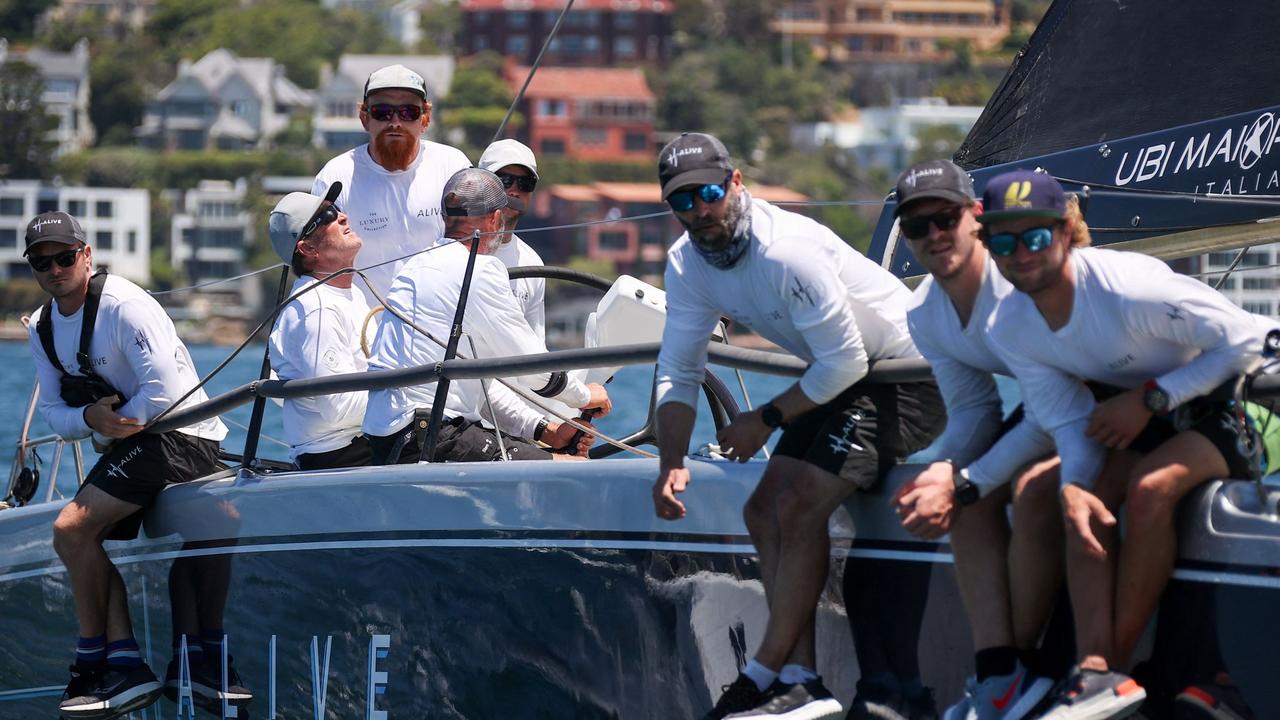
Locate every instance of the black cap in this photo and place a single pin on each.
(55, 226)
(941, 179)
(692, 159)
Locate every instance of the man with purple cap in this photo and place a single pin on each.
(318, 334)
(108, 360)
(799, 285)
(513, 162)
(1115, 353)
(391, 186)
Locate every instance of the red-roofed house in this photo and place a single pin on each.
(587, 113)
(595, 32)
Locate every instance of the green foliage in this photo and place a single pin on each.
(441, 23)
(1028, 11)
(478, 100)
(830, 176)
(118, 75)
(937, 141)
(138, 167)
(25, 147)
(18, 17)
(298, 133)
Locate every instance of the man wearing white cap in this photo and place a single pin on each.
(392, 185)
(318, 334)
(513, 162)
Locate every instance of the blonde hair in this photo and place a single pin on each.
(1076, 225)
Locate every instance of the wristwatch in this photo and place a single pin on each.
(1154, 398)
(770, 415)
(966, 492)
(539, 429)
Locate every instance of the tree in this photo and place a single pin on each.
(18, 17)
(118, 73)
(478, 100)
(937, 141)
(25, 147)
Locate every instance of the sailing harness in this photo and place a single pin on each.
(88, 387)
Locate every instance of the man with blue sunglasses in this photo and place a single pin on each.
(1115, 355)
(798, 284)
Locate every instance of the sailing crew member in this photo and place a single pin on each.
(108, 360)
(514, 164)
(799, 285)
(391, 185)
(318, 333)
(426, 294)
(1114, 351)
(967, 492)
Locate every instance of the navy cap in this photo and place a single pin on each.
(1022, 193)
(934, 179)
(55, 226)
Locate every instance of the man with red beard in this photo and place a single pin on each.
(392, 185)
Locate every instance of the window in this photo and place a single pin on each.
(517, 45)
(337, 108)
(624, 47)
(103, 209)
(103, 240)
(552, 108)
(624, 20)
(8, 238)
(1263, 308)
(552, 147)
(518, 19)
(635, 142)
(19, 270)
(1259, 283)
(482, 43)
(613, 241)
(76, 208)
(13, 206)
(591, 136)
(133, 241)
(220, 238)
(1228, 284)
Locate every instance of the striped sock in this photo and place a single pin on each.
(91, 650)
(124, 654)
(195, 651)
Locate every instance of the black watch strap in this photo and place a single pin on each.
(770, 415)
(966, 492)
(540, 429)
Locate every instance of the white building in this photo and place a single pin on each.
(66, 91)
(117, 222)
(336, 121)
(211, 237)
(1253, 284)
(886, 137)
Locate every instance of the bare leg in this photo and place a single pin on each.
(1156, 485)
(77, 537)
(804, 506)
(1035, 551)
(980, 540)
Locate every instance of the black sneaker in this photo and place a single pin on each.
(206, 685)
(1211, 702)
(116, 692)
(741, 696)
(83, 679)
(918, 702)
(879, 697)
(802, 701)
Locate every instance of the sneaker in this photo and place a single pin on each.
(918, 702)
(83, 679)
(1211, 702)
(206, 685)
(1093, 695)
(1001, 697)
(879, 697)
(802, 701)
(114, 692)
(741, 696)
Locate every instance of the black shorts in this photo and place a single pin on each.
(1214, 419)
(866, 429)
(135, 469)
(356, 454)
(460, 440)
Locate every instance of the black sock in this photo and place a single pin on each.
(994, 661)
(1030, 659)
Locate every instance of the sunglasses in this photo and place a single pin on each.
(526, 183)
(917, 228)
(42, 263)
(682, 201)
(324, 217)
(1006, 244)
(383, 112)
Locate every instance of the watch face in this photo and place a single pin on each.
(1156, 400)
(771, 416)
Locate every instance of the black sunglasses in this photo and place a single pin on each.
(526, 183)
(917, 228)
(327, 215)
(42, 263)
(382, 112)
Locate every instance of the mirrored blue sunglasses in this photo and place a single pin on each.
(1006, 244)
(682, 201)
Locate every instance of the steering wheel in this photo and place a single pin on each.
(723, 406)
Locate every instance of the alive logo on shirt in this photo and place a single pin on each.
(429, 212)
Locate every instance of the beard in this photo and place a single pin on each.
(510, 218)
(396, 153)
(723, 244)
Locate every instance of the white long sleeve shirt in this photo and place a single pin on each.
(134, 347)
(531, 293)
(395, 213)
(797, 285)
(317, 335)
(963, 364)
(427, 292)
(1132, 319)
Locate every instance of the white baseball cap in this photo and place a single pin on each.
(395, 77)
(291, 216)
(508, 152)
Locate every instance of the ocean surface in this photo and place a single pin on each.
(630, 391)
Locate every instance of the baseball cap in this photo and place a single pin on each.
(291, 215)
(936, 179)
(692, 159)
(1022, 193)
(508, 152)
(395, 77)
(55, 226)
(473, 192)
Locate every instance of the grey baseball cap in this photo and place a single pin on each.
(291, 216)
(56, 226)
(692, 159)
(940, 179)
(473, 192)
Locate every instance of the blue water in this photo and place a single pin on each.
(630, 391)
